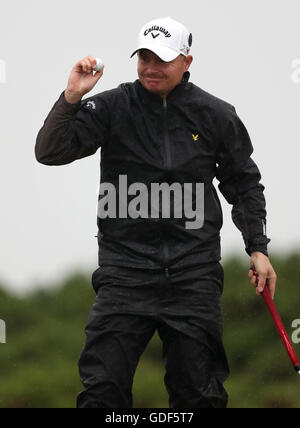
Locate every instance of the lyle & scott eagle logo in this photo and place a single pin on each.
(195, 137)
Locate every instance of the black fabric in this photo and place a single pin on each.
(184, 307)
(193, 137)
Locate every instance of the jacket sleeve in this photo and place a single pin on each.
(72, 131)
(239, 179)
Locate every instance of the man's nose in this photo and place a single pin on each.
(153, 67)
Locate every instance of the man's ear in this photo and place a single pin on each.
(188, 61)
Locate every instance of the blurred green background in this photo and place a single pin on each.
(45, 334)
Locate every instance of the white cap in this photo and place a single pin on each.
(166, 38)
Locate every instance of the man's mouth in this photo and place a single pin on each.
(153, 79)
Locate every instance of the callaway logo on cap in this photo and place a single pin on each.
(166, 38)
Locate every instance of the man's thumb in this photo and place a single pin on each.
(97, 76)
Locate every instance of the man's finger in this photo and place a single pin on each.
(272, 285)
(253, 281)
(252, 278)
(92, 61)
(261, 282)
(258, 293)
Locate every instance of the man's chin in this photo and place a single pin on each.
(154, 88)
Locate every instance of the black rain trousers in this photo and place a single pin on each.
(184, 306)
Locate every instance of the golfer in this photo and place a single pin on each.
(158, 270)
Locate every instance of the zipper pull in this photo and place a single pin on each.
(167, 272)
(165, 104)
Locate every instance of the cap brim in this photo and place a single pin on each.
(163, 52)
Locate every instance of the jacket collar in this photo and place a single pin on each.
(151, 97)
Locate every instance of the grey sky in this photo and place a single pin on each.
(243, 53)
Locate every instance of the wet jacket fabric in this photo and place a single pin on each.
(191, 137)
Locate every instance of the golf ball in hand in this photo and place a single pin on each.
(100, 65)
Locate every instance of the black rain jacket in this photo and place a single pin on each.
(191, 137)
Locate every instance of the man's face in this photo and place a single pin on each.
(158, 76)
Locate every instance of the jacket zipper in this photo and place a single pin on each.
(166, 258)
(168, 164)
(166, 135)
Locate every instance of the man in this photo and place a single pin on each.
(159, 272)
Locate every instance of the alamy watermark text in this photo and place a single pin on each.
(163, 200)
(2, 332)
(2, 71)
(296, 71)
(296, 333)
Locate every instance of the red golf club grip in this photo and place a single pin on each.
(279, 325)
